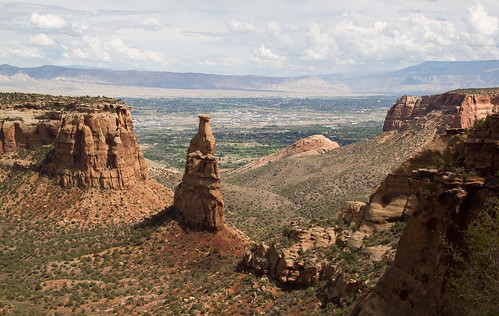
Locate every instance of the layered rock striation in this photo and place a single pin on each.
(463, 108)
(98, 149)
(199, 195)
(447, 202)
(22, 128)
(92, 139)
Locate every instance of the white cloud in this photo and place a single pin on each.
(95, 49)
(90, 48)
(266, 53)
(150, 24)
(275, 30)
(41, 39)
(134, 53)
(239, 26)
(78, 27)
(266, 58)
(480, 21)
(47, 21)
(28, 52)
(320, 44)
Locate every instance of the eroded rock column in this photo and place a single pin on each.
(199, 195)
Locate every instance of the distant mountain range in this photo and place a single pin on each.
(425, 78)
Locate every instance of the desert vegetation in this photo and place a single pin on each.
(475, 277)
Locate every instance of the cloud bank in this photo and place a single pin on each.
(278, 38)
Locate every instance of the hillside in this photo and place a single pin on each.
(316, 187)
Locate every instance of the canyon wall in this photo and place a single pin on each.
(394, 198)
(447, 203)
(98, 149)
(199, 196)
(93, 143)
(463, 109)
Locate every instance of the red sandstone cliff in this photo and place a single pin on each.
(394, 198)
(462, 107)
(94, 144)
(447, 203)
(98, 149)
(199, 195)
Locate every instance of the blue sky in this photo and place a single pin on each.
(263, 37)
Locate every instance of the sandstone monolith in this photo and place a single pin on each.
(199, 195)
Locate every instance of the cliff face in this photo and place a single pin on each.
(199, 195)
(463, 109)
(447, 203)
(94, 144)
(394, 198)
(481, 148)
(98, 149)
(23, 129)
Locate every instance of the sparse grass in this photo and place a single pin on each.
(315, 188)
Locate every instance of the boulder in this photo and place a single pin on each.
(352, 213)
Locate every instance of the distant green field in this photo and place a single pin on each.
(164, 131)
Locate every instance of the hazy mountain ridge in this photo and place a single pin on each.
(427, 77)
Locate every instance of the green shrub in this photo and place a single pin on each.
(477, 283)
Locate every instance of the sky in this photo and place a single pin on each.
(256, 37)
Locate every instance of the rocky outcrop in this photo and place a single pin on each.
(93, 140)
(199, 196)
(481, 148)
(463, 109)
(353, 213)
(309, 146)
(447, 203)
(394, 199)
(16, 134)
(98, 149)
(290, 265)
(306, 256)
(21, 129)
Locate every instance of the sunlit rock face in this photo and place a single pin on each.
(94, 144)
(463, 109)
(98, 149)
(199, 195)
